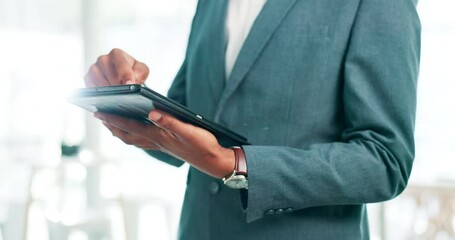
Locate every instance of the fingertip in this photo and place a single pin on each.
(129, 82)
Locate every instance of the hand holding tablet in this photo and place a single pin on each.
(128, 108)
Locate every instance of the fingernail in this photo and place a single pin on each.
(129, 82)
(155, 116)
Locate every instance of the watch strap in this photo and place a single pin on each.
(240, 161)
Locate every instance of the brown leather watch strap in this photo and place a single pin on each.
(240, 161)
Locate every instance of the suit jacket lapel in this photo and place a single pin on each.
(268, 20)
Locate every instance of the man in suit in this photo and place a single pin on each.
(325, 92)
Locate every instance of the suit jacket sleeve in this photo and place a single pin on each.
(373, 159)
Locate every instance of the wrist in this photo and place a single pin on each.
(238, 178)
(227, 163)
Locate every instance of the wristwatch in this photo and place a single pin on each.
(238, 178)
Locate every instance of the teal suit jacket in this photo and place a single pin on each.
(325, 90)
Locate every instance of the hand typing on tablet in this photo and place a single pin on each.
(191, 144)
(116, 68)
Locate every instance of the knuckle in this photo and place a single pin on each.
(102, 59)
(124, 138)
(115, 51)
(91, 70)
(159, 136)
(127, 141)
(162, 132)
(115, 133)
(125, 74)
(141, 71)
(88, 82)
(168, 123)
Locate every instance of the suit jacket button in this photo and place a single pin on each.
(288, 210)
(270, 212)
(279, 211)
(214, 188)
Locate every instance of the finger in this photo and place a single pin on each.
(126, 124)
(141, 72)
(94, 77)
(148, 131)
(113, 128)
(122, 65)
(171, 124)
(107, 69)
(159, 136)
(130, 138)
(124, 73)
(149, 147)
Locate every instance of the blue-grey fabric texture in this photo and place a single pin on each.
(325, 92)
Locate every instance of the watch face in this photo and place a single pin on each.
(237, 182)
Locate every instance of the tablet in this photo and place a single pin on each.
(136, 101)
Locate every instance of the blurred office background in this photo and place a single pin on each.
(63, 176)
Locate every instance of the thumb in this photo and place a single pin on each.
(168, 122)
